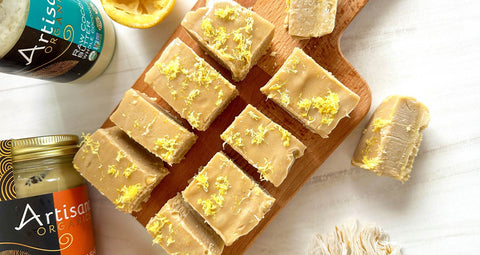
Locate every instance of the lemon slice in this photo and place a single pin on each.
(138, 13)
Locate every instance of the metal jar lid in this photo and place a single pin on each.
(43, 147)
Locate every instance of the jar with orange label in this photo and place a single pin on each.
(44, 204)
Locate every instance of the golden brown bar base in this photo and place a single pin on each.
(235, 36)
(311, 18)
(391, 140)
(179, 229)
(196, 91)
(310, 93)
(152, 127)
(119, 168)
(228, 199)
(264, 144)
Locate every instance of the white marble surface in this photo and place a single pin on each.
(428, 49)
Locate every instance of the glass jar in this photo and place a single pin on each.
(61, 41)
(45, 206)
(44, 165)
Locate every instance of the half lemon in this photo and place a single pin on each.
(138, 13)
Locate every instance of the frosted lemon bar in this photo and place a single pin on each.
(310, 93)
(231, 202)
(391, 140)
(264, 144)
(152, 127)
(311, 18)
(190, 85)
(178, 229)
(119, 168)
(235, 36)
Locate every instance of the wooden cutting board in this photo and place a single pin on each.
(326, 51)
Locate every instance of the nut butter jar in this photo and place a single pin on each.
(44, 205)
(61, 41)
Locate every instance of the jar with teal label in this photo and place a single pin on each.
(61, 41)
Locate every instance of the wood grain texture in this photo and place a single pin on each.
(326, 51)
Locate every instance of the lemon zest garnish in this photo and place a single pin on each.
(380, 123)
(277, 86)
(174, 93)
(285, 136)
(127, 195)
(284, 97)
(219, 98)
(259, 136)
(170, 240)
(327, 106)
(164, 221)
(233, 139)
(89, 143)
(369, 144)
(203, 74)
(217, 37)
(194, 119)
(202, 180)
(149, 125)
(167, 145)
(222, 184)
(218, 199)
(266, 169)
(249, 26)
(171, 70)
(136, 124)
(288, 5)
(120, 155)
(220, 38)
(184, 84)
(155, 228)
(207, 27)
(371, 163)
(253, 115)
(129, 170)
(228, 13)
(243, 51)
(191, 96)
(208, 207)
(293, 66)
(158, 239)
(112, 170)
(304, 104)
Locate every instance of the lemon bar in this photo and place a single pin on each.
(229, 200)
(190, 85)
(179, 229)
(311, 18)
(391, 140)
(264, 144)
(152, 127)
(119, 168)
(310, 93)
(235, 36)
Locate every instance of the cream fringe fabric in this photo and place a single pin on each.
(354, 239)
